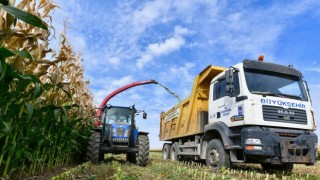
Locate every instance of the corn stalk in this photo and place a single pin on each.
(45, 104)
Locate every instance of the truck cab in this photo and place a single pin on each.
(267, 108)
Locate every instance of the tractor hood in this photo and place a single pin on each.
(120, 130)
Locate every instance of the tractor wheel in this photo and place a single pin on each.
(93, 150)
(174, 152)
(143, 153)
(287, 168)
(216, 155)
(166, 151)
(132, 157)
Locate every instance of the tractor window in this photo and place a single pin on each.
(118, 116)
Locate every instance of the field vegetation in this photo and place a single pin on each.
(46, 110)
(45, 104)
(115, 167)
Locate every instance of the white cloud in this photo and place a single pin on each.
(151, 12)
(135, 96)
(166, 47)
(78, 42)
(114, 60)
(182, 72)
(122, 81)
(170, 45)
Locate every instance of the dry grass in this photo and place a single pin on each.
(115, 167)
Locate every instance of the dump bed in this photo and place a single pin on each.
(189, 116)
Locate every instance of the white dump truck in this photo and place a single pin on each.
(252, 112)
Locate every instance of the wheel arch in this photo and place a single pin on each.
(217, 130)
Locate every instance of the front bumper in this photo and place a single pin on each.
(117, 149)
(281, 145)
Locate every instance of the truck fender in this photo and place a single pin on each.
(217, 130)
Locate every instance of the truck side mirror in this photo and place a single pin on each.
(144, 115)
(229, 80)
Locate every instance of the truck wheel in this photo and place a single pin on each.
(166, 151)
(143, 153)
(93, 150)
(287, 168)
(174, 152)
(132, 157)
(216, 155)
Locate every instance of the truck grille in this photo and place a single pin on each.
(120, 140)
(279, 114)
(120, 131)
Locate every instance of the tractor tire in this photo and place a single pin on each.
(287, 168)
(166, 151)
(174, 152)
(93, 150)
(132, 157)
(143, 153)
(216, 156)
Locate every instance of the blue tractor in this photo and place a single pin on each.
(116, 133)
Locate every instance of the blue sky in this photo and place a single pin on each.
(172, 41)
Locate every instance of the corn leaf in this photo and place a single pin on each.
(25, 16)
(3, 68)
(4, 53)
(24, 54)
(7, 127)
(30, 109)
(4, 2)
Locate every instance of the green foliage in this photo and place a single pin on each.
(4, 2)
(24, 16)
(35, 132)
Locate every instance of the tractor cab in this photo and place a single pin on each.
(118, 131)
(118, 124)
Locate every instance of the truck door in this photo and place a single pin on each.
(223, 105)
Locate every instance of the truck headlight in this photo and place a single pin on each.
(253, 141)
(253, 144)
(114, 132)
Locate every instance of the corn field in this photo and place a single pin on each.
(115, 167)
(45, 105)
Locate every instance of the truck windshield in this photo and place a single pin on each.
(116, 115)
(275, 84)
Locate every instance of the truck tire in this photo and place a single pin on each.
(143, 153)
(93, 150)
(166, 151)
(174, 152)
(217, 156)
(287, 168)
(132, 157)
